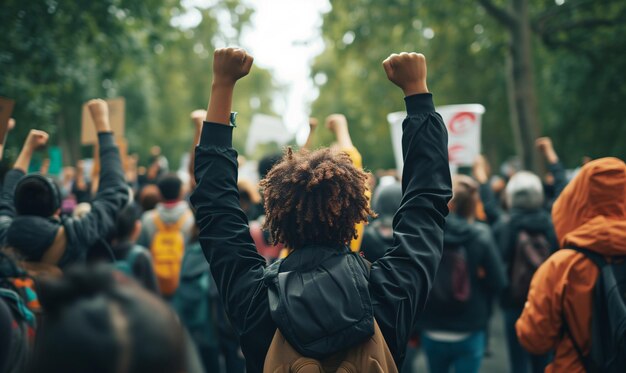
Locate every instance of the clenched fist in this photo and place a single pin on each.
(197, 117)
(99, 110)
(544, 144)
(407, 71)
(230, 65)
(336, 121)
(36, 139)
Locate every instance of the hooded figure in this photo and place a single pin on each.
(590, 213)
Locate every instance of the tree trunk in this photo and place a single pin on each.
(521, 82)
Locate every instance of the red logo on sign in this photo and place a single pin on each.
(455, 152)
(461, 122)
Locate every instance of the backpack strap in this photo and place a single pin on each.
(596, 258)
(132, 255)
(599, 261)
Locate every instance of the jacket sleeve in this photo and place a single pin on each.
(7, 206)
(224, 233)
(490, 204)
(111, 196)
(560, 179)
(539, 327)
(401, 280)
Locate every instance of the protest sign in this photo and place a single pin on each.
(266, 129)
(117, 108)
(463, 123)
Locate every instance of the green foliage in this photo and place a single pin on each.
(578, 79)
(56, 55)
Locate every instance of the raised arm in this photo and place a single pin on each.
(401, 280)
(197, 117)
(480, 171)
(35, 140)
(544, 144)
(224, 232)
(10, 126)
(338, 124)
(309, 140)
(112, 193)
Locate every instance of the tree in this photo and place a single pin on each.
(577, 61)
(55, 55)
(549, 24)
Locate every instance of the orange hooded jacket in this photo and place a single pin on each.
(590, 213)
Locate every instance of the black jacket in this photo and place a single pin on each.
(486, 274)
(398, 283)
(85, 232)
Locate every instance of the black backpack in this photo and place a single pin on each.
(608, 317)
(531, 250)
(452, 286)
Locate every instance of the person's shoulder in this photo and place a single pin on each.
(482, 228)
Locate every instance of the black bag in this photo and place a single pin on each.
(608, 317)
(452, 286)
(341, 279)
(531, 250)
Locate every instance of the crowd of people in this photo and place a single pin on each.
(313, 264)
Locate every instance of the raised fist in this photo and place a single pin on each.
(99, 110)
(198, 115)
(407, 71)
(36, 139)
(336, 121)
(230, 65)
(544, 144)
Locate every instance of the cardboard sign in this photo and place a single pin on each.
(6, 109)
(463, 123)
(117, 108)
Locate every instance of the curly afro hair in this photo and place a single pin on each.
(315, 198)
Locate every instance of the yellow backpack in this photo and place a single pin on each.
(168, 248)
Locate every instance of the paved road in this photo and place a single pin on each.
(497, 362)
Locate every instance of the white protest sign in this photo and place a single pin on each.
(265, 129)
(463, 123)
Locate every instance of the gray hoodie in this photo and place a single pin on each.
(170, 214)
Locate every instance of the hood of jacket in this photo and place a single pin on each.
(171, 212)
(319, 299)
(458, 231)
(591, 211)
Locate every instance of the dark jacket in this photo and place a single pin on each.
(506, 232)
(81, 233)
(375, 242)
(486, 275)
(141, 265)
(398, 283)
(492, 206)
